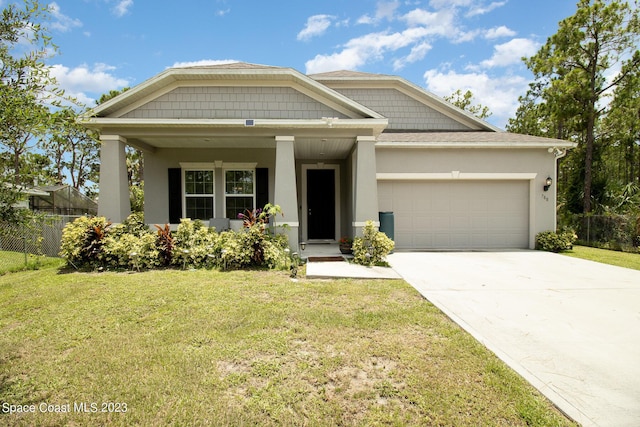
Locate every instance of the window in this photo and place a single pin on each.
(198, 194)
(239, 192)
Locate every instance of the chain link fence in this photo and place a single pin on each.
(23, 244)
(618, 232)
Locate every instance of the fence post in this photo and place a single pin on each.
(24, 244)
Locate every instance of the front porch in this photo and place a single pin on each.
(326, 187)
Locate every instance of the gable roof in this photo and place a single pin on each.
(172, 78)
(355, 79)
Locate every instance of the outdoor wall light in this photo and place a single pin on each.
(548, 183)
(303, 245)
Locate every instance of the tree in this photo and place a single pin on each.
(26, 93)
(26, 88)
(73, 149)
(466, 102)
(622, 128)
(572, 76)
(111, 94)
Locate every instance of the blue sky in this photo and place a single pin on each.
(441, 45)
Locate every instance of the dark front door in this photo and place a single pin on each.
(321, 204)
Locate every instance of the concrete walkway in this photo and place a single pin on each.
(570, 327)
(344, 269)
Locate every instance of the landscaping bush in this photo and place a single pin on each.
(373, 247)
(134, 224)
(94, 243)
(82, 241)
(165, 245)
(129, 251)
(254, 245)
(192, 243)
(552, 241)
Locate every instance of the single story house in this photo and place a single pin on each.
(333, 150)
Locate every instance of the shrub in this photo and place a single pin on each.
(134, 224)
(93, 242)
(165, 245)
(130, 251)
(251, 247)
(373, 247)
(193, 242)
(552, 241)
(82, 241)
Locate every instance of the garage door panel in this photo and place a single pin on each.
(459, 214)
(422, 240)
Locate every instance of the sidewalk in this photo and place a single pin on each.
(344, 269)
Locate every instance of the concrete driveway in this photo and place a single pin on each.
(570, 327)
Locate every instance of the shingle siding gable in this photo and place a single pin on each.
(234, 103)
(403, 111)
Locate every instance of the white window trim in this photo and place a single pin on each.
(196, 167)
(237, 167)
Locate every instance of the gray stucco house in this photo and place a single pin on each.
(332, 149)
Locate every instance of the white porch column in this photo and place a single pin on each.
(286, 194)
(113, 201)
(366, 185)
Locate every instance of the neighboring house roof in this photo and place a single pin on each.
(26, 190)
(62, 198)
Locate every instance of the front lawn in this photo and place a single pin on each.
(244, 348)
(621, 259)
(15, 261)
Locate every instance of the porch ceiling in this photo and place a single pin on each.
(316, 148)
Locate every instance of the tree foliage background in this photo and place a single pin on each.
(40, 140)
(587, 90)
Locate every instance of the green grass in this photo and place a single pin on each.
(15, 261)
(621, 259)
(246, 348)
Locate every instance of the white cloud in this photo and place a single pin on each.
(316, 26)
(83, 82)
(481, 10)
(441, 23)
(361, 50)
(348, 59)
(442, 4)
(222, 12)
(511, 52)
(122, 7)
(418, 52)
(62, 22)
(498, 32)
(202, 63)
(499, 93)
(385, 10)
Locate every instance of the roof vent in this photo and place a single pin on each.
(249, 122)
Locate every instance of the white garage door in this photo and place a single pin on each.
(457, 214)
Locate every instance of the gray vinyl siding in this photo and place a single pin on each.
(234, 103)
(402, 111)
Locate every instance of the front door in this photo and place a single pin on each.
(321, 204)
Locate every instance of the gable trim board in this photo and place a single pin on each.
(447, 167)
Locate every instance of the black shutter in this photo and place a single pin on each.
(262, 187)
(175, 195)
